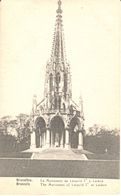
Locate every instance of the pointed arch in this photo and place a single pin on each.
(65, 82)
(64, 107)
(40, 125)
(75, 122)
(55, 101)
(59, 102)
(58, 79)
(51, 82)
(57, 128)
(75, 126)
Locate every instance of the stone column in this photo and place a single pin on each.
(47, 138)
(44, 139)
(80, 145)
(33, 140)
(67, 139)
(52, 142)
(61, 141)
(41, 140)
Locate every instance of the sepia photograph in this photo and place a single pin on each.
(59, 96)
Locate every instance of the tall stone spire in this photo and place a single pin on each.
(57, 120)
(58, 49)
(58, 77)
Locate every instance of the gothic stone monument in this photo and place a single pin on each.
(57, 121)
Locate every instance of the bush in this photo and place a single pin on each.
(102, 143)
(8, 143)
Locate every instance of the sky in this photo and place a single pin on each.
(91, 31)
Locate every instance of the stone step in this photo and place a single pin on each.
(58, 154)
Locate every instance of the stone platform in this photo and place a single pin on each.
(57, 154)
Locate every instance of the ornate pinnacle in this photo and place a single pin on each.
(59, 10)
(58, 49)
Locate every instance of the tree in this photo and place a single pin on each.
(15, 133)
(101, 139)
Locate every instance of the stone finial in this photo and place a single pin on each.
(59, 10)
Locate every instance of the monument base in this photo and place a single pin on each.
(57, 154)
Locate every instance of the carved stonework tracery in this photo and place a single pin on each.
(57, 108)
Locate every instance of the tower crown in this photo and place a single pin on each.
(59, 10)
(58, 78)
(58, 54)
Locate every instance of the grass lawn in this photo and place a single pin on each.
(108, 169)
